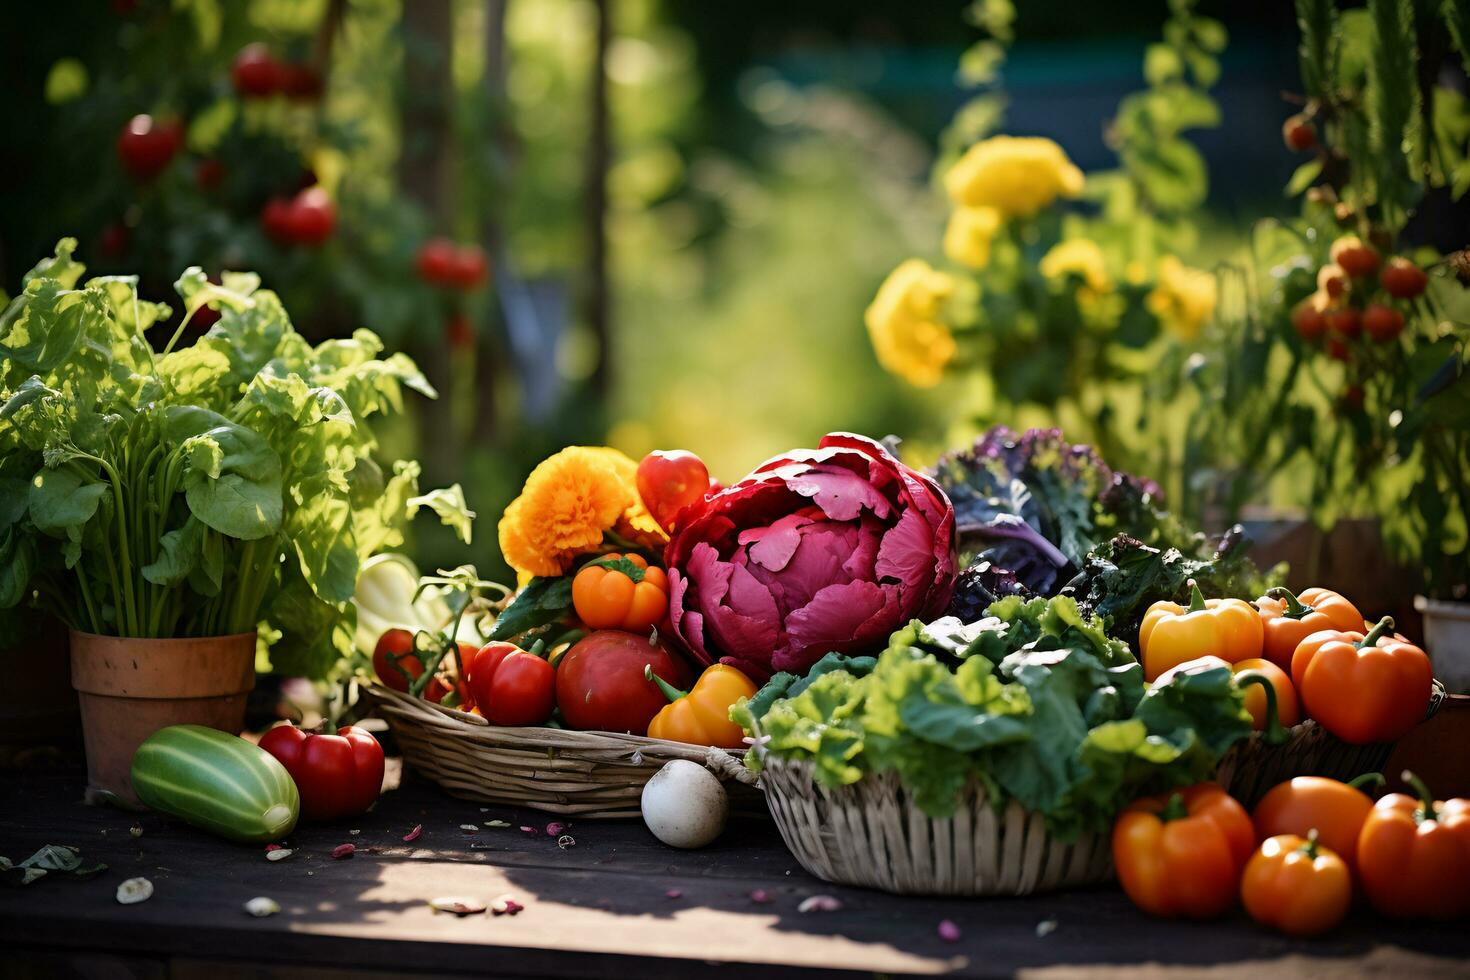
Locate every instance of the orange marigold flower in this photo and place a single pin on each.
(568, 503)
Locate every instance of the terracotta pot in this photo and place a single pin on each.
(130, 688)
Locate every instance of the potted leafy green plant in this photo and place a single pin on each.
(181, 509)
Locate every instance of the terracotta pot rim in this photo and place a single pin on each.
(174, 668)
(159, 639)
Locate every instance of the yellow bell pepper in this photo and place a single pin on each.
(701, 715)
(1172, 634)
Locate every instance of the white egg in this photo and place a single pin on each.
(684, 805)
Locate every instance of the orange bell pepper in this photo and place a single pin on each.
(1414, 855)
(1315, 804)
(621, 592)
(1180, 854)
(701, 715)
(1274, 694)
(1172, 634)
(1296, 885)
(1363, 688)
(1289, 619)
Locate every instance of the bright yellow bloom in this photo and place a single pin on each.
(1080, 257)
(1018, 175)
(569, 501)
(903, 322)
(1183, 299)
(968, 235)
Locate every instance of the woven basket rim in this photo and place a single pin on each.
(1438, 694)
(539, 738)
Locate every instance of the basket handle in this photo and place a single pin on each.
(728, 767)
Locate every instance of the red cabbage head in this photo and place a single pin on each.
(821, 550)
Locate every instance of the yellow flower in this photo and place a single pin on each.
(1018, 175)
(903, 323)
(569, 501)
(1080, 257)
(1183, 299)
(968, 235)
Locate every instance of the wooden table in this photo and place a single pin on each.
(614, 903)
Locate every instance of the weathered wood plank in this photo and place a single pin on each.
(600, 906)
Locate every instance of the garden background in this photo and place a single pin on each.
(686, 208)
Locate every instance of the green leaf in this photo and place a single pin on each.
(196, 373)
(17, 564)
(63, 500)
(178, 553)
(450, 505)
(1392, 94)
(1316, 21)
(238, 491)
(542, 601)
(1304, 176)
(61, 268)
(619, 564)
(1456, 14)
(315, 633)
(1161, 63)
(321, 530)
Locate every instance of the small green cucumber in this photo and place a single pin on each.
(217, 782)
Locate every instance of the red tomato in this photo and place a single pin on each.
(437, 261)
(1338, 350)
(209, 174)
(301, 81)
(1309, 322)
(147, 146)
(600, 683)
(275, 219)
(470, 266)
(1333, 281)
(1345, 322)
(1382, 323)
(394, 661)
(1298, 133)
(512, 687)
(256, 73)
(669, 481)
(337, 775)
(313, 217)
(1403, 279)
(1358, 259)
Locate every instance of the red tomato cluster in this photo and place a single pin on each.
(1358, 296)
(440, 262)
(308, 218)
(146, 146)
(1296, 861)
(257, 75)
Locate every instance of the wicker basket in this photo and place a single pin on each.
(871, 834)
(587, 774)
(1251, 768)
